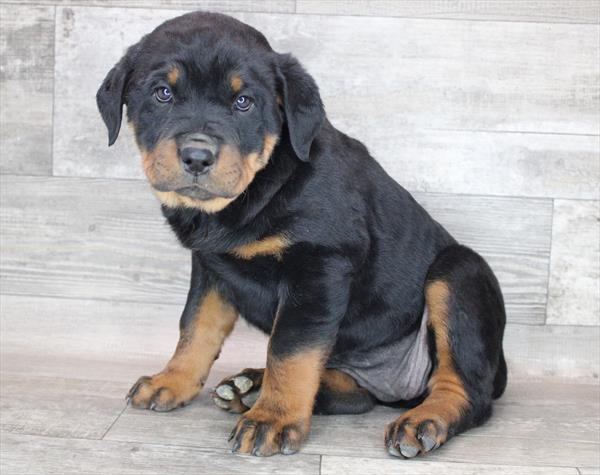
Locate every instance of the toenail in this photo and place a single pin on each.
(393, 451)
(428, 443)
(408, 451)
(287, 450)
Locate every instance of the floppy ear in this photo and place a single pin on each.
(304, 112)
(111, 95)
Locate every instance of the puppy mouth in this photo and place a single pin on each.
(195, 190)
(200, 193)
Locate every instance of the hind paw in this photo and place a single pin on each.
(408, 436)
(238, 393)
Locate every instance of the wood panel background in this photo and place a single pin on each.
(487, 110)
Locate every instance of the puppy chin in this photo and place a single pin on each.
(193, 191)
(198, 193)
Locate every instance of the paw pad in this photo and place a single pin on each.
(238, 393)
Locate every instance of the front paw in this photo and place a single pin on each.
(164, 391)
(264, 433)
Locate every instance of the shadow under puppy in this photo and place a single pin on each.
(292, 225)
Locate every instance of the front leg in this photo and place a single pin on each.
(315, 298)
(205, 323)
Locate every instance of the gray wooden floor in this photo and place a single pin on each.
(64, 377)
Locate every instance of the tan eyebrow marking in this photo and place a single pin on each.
(236, 83)
(173, 75)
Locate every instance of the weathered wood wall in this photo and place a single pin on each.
(488, 111)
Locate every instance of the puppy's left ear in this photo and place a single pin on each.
(304, 112)
(111, 95)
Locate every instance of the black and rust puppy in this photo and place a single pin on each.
(292, 225)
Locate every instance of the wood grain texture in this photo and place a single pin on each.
(89, 238)
(334, 465)
(106, 239)
(553, 351)
(428, 132)
(117, 341)
(552, 11)
(280, 6)
(67, 363)
(574, 288)
(402, 74)
(453, 109)
(114, 341)
(546, 11)
(502, 450)
(46, 456)
(482, 163)
(517, 432)
(26, 87)
(58, 407)
(518, 417)
(517, 249)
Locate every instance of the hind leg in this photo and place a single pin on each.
(338, 393)
(466, 322)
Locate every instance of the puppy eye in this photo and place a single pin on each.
(163, 94)
(243, 103)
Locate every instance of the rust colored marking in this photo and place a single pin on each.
(339, 381)
(199, 345)
(447, 400)
(173, 75)
(269, 246)
(286, 400)
(162, 163)
(233, 173)
(236, 83)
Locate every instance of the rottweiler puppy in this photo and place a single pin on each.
(294, 226)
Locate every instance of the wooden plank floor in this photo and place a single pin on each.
(63, 382)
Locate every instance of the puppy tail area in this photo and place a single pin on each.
(466, 326)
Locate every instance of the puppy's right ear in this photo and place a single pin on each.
(111, 95)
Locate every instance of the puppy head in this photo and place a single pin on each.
(207, 99)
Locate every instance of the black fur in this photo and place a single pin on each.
(475, 327)
(361, 247)
(329, 402)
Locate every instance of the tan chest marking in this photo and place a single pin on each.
(270, 246)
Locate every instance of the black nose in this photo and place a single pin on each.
(197, 160)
